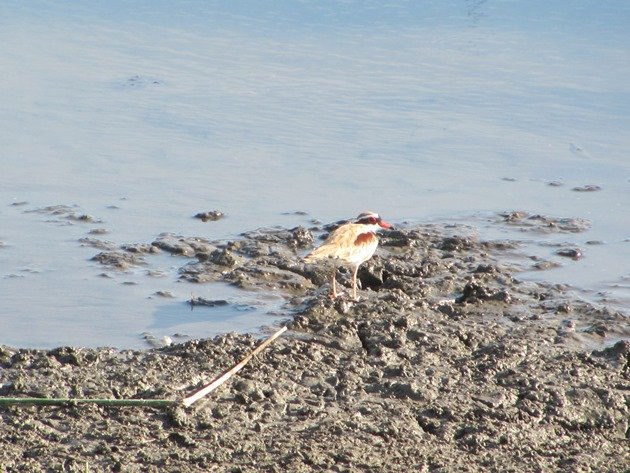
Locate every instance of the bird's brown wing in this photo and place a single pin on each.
(337, 245)
(348, 244)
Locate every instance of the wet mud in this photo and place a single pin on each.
(448, 362)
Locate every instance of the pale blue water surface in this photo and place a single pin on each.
(145, 113)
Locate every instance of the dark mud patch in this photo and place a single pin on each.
(448, 362)
(65, 214)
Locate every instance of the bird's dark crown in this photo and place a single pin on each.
(368, 218)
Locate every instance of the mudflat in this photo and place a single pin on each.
(448, 362)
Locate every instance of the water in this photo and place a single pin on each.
(143, 114)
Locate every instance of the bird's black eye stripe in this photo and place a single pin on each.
(369, 220)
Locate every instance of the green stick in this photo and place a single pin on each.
(63, 401)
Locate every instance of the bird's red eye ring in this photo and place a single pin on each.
(373, 220)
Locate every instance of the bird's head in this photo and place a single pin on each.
(372, 218)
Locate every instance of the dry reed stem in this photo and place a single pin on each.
(190, 400)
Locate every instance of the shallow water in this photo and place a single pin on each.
(144, 115)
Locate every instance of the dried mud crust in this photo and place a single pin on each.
(448, 363)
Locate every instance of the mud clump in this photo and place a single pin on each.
(448, 362)
(544, 223)
(183, 246)
(587, 188)
(64, 214)
(118, 259)
(210, 216)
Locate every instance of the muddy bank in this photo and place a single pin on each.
(449, 362)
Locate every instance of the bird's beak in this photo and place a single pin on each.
(384, 224)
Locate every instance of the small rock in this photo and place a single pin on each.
(573, 253)
(210, 216)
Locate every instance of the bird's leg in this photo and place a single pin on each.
(354, 282)
(333, 295)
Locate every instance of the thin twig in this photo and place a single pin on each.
(188, 401)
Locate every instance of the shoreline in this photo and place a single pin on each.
(448, 362)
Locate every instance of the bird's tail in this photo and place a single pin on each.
(317, 254)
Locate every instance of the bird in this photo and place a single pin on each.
(349, 245)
